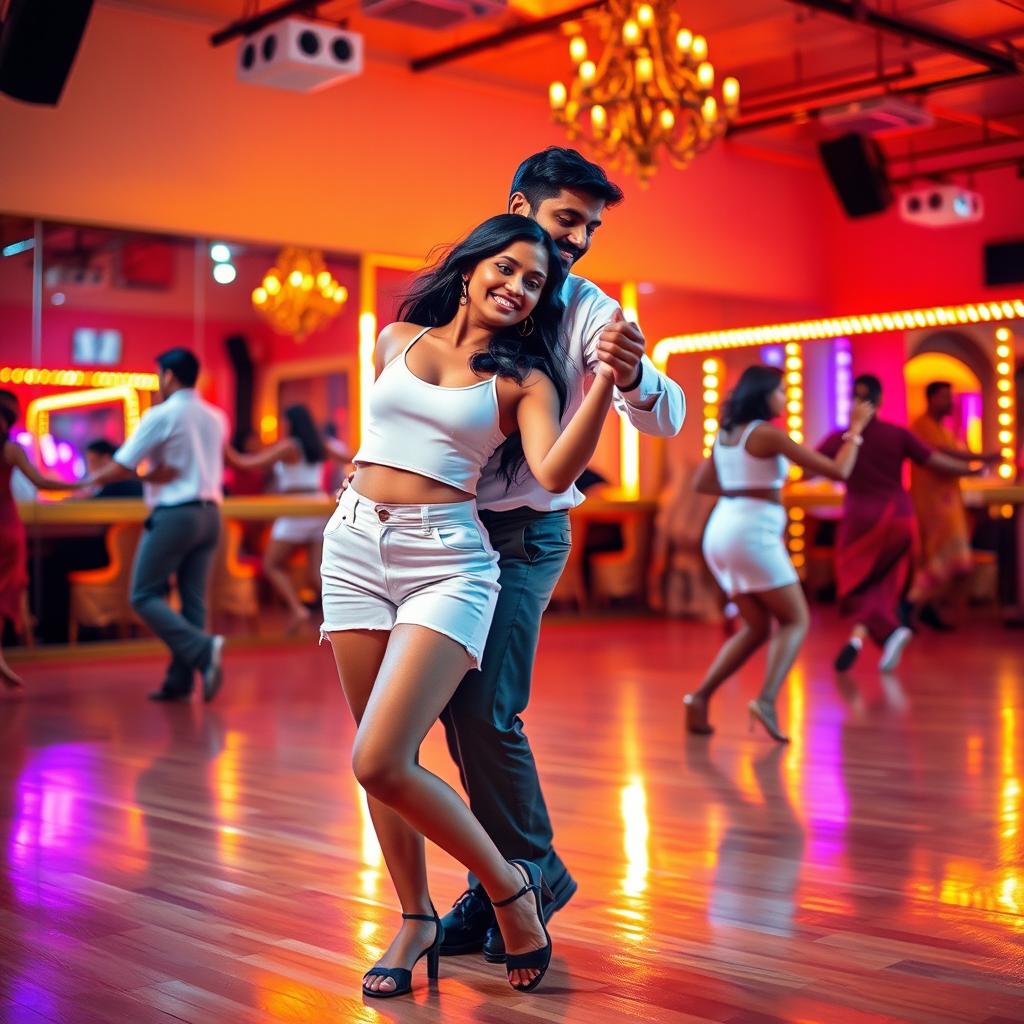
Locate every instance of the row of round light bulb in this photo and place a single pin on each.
(324, 281)
(78, 378)
(224, 271)
(814, 330)
(693, 48)
(794, 377)
(712, 384)
(1004, 403)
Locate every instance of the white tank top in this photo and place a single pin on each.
(738, 470)
(446, 434)
(298, 477)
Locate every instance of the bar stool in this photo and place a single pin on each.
(101, 597)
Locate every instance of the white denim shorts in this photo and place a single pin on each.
(298, 529)
(426, 565)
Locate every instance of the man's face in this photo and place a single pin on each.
(570, 218)
(95, 461)
(942, 402)
(861, 394)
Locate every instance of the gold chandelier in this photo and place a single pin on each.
(298, 294)
(652, 87)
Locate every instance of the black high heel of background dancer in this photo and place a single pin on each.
(536, 959)
(402, 976)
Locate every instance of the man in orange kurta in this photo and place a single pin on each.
(945, 556)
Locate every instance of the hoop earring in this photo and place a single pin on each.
(529, 329)
(464, 297)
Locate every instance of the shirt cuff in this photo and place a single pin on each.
(649, 386)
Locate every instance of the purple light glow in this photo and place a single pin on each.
(773, 355)
(842, 359)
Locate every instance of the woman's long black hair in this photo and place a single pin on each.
(749, 400)
(434, 297)
(303, 429)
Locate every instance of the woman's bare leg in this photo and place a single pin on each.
(420, 672)
(275, 568)
(358, 654)
(8, 676)
(788, 606)
(733, 654)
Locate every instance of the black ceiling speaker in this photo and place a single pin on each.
(1004, 262)
(38, 43)
(856, 168)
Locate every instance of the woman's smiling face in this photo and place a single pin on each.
(504, 289)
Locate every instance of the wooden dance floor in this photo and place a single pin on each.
(215, 864)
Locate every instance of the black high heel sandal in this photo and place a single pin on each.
(402, 976)
(536, 959)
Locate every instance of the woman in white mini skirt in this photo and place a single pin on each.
(743, 542)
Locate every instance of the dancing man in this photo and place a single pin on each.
(876, 536)
(184, 437)
(945, 556)
(529, 528)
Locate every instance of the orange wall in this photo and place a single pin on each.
(154, 131)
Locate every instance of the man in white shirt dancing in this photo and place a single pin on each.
(184, 438)
(529, 528)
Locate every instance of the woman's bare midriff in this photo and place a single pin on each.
(390, 486)
(772, 494)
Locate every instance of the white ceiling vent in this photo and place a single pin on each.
(432, 14)
(877, 116)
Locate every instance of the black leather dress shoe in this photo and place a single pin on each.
(466, 924)
(494, 944)
(171, 696)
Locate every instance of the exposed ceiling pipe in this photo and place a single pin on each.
(498, 39)
(803, 113)
(755, 103)
(859, 13)
(983, 165)
(246, 26)
(978, 146)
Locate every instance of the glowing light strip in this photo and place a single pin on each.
(1004, 402)
(835, 327)
(79, 378)
(629, 436)
(794, 371)
(37, 415)
(714, 372)
(369, 263)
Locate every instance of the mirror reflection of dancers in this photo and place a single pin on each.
(410, 579)
(743, 542)
(297, 462)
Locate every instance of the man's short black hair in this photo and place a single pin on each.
(101, 446)
(9, 398)
(871, 384)
(182, 363)
(543, 175)
(935, 387)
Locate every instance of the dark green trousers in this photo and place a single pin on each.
(482, 722)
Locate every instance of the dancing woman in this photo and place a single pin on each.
(409, 576)
(743, 543)
(13, 574)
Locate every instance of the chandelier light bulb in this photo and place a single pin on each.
(706, 75)
(631, 33)
(259, 296)
(598, 118)
(588, 70)
(557, 94)
(731, 91)
(578, 49)
(323, 279)
(684, 40)
(644, 69)
(667, 119)
(699, 49)
(295, 278)
(272, 284)
(709, 110)
(645, 15)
